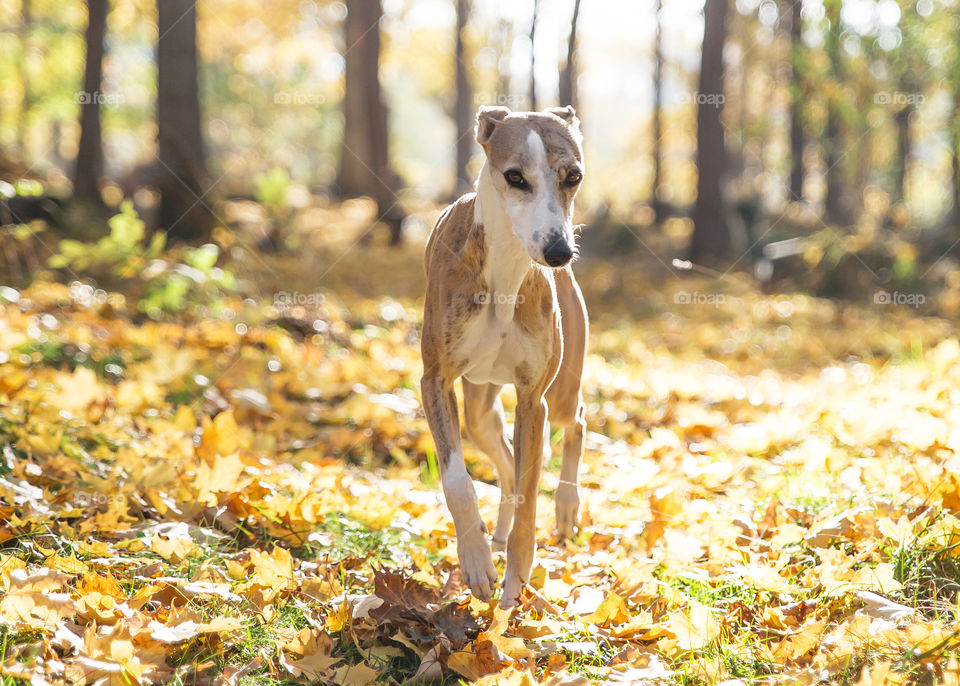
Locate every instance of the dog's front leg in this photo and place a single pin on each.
(528, 449)
(568, 495)
(473, 550)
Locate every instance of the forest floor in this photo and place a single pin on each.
(771, 489)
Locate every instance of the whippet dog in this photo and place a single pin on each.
(502, 307)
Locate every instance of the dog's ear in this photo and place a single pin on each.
(568, 114)
(487, 120)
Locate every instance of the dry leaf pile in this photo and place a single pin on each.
(771, 494)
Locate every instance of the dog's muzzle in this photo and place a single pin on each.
(558, 253)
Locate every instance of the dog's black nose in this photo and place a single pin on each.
(558, 253)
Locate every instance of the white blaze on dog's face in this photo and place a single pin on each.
(536, 164)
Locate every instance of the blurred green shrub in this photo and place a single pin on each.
(121, 253)
(273, 188)
(172, 287)
(158, 284)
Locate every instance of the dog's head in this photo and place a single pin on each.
(536, 162)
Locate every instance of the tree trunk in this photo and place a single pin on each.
(362, 102)
(23, 34)
(955, 167)
(836, 203)
(861, 157)
(902, 119)
(504, 47)
(736, 155)
(711, 235)
(464, 105)
(954, 138)
(89, 164)
(658, 208)
(568, 75)
(364, 156)
(56, 143)
(533, 57)
(796, 104)
(184, 211)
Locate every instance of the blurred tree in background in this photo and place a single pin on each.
(89, 164)
(464, 109)
(711, 235)
(182, 174)
(569, 73)
(721, 129)
(365, 167)
(657, 116)
(797, 96)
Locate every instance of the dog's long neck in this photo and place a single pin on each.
(507, 262)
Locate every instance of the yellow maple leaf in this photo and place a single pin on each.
(222, 474)
(694, 629)
(96, 606)
(8, 563)
(313, 650)
(79, 389)
(32, 601)
(338, 618)
(273, 569)
(220, 436)
(879, 579)
(799, 644)
(355, 675)
(69, 564)
(513, 646)
(185, 420)
(511, 676)
(612, 610)
(174, 550)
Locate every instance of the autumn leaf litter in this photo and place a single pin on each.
(234, 500)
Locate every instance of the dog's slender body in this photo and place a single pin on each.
(502, 306)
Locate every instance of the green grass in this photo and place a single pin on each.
(10, 642)
(352, 538)
(930, 576)
(53, 353)
(586, 664)
(715, 593)
(723, 595)
(430, 470)
(750, 667)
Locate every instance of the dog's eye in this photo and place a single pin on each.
(515, 179)
(573, 178)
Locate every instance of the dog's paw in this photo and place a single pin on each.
(568, 509)
(476, 567)
(512, 586)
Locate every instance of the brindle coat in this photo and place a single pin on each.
(535, 340)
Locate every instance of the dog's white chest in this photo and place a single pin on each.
(492, 349)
